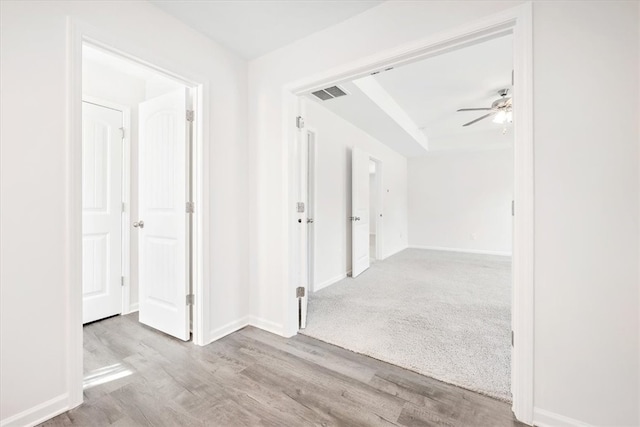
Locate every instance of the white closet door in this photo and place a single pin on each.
(360, 211)
(101, 212)
(162, 223)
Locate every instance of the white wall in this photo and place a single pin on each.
(34, 247)
(586, 196)
(335, 139)
(586, 180)
(461, 200)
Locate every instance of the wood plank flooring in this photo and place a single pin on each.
(135, 376)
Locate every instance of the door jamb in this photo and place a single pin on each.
(78, 34)
(126, 196)
(379, 220)
(312, 168)
(518, 22)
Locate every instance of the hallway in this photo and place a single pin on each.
(135, 376)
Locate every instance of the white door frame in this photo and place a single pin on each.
(379, 220)
(78, 34)
(516, 21)
(312, 186)
(126, 196)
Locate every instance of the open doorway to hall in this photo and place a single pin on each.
(137, 188)
(139, 169)
(413, 252)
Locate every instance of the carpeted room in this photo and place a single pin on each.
(436, 295)
(441, 314)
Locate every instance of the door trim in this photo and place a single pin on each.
(311, 191)
(126, 196)
(78, 34)
(379, 220)
(516, 21)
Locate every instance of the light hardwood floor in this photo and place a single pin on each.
(136, 376)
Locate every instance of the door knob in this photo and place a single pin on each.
(139, 224)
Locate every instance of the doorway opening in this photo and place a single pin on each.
(361, 79)
(137, 189)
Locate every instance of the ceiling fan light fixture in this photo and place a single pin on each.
(500, 118)
(503, 117)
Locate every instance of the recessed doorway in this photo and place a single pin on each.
(515, 25)
(136, 193)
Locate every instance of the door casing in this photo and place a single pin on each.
(518, 22)
(379, 219)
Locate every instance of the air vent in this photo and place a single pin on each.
(329, 93)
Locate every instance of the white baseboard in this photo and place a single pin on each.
(39, 413)
(267, 325)
(468, 251)
(132, 308)
(226, 329)
(231, 327)
(542, 418)
(331, 281)
(385, 256)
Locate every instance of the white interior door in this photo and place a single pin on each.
(360, 211)
(163, 224)
(101, 212)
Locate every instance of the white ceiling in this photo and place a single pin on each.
(253, 28)
(430, 92)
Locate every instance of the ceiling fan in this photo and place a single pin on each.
(500, 108)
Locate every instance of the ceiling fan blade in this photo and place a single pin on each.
(474, 109)
(478, 119)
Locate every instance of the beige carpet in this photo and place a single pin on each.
(442, 314)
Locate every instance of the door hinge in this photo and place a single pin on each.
(190, 299)
(300, 292)
(122, 133)
(190, 207)
(121, 280)
(299, 122)
(123, 207)
(190, 115)
(512, 338)
(513, 208)
(513, 77)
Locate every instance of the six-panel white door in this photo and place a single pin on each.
(162, 223)
(360, 211)
(101, 212)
